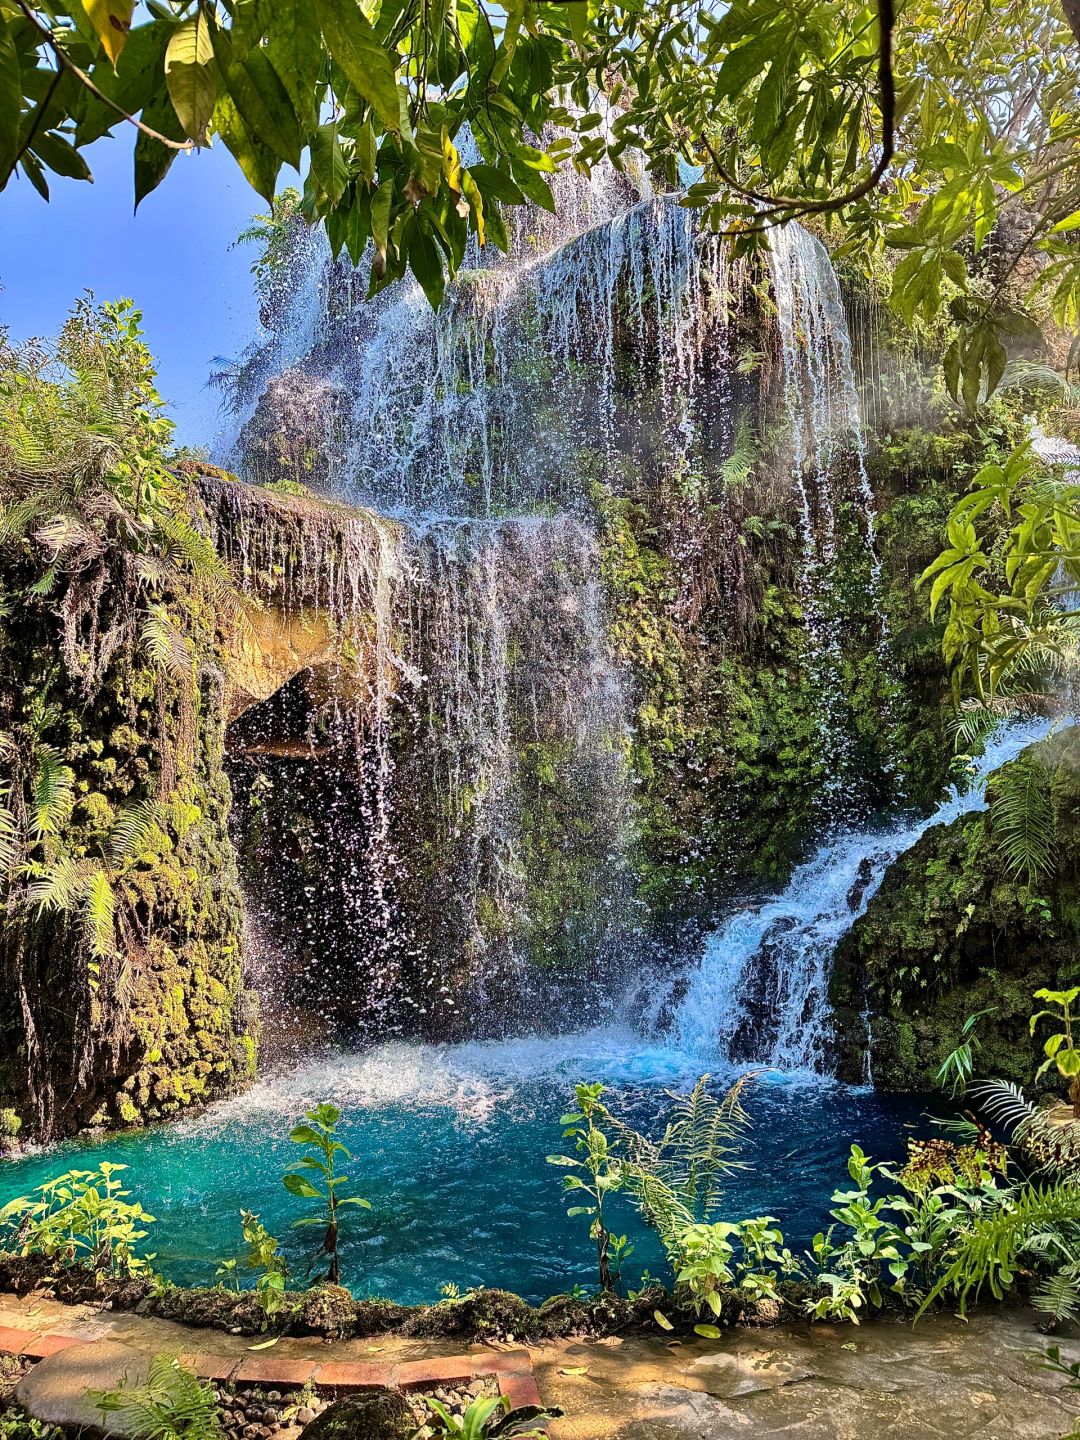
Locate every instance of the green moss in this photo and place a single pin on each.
(951, 931)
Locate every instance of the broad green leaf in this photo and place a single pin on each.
(709, 1332)
(191, 75)
(299, 1185)
(10, 99)
(305, 1134)
(152, 159)
(60, 156)
(425, 261)
(355, 47)
(294, 50)
(259, 164)
(331, 170)
(111, 20)
(133, 85)
(261, 99)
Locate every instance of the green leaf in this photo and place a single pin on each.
(294, 50)
(260, 165)
(10, 99)
(662, 1321)
(133, 85)
(426, 263)
(299, 1185)
(60, 156)
(152, 159)
(329, 166)
(191, 75)
(355, 47)
(305, 1134)
(261, 99)
(709, 1332)
(496, 184)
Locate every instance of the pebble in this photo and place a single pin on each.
(305, 1416)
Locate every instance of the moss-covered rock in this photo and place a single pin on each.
(372, 1415)
(954, 929)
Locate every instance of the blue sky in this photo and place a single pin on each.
(172, 259)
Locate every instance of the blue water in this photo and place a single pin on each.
(449, 1145)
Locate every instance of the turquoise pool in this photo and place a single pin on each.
(449, 1145)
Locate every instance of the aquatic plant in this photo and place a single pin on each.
(318, 1131)
(170, 1404)
(264, 1255)
(600, 1175)
(83, 1217)
(492, 1416)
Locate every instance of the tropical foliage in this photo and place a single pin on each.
(100, 524)
(84, 1217)
(316, 1178)
(597, 1175)
(948, 138)
(1010, 574)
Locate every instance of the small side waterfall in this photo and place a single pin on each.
(760, 993)
(829, 464)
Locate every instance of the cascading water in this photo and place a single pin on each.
(608, 346)
(760, 993)
(828, 454)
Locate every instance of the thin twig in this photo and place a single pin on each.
(792, 206)
(65, 62)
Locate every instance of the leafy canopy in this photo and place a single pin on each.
(917, 129)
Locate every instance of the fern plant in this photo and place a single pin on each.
(678, 1179)
(986, 1254)
(171, 1404)
(1022, 819)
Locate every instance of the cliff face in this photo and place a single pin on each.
(124, 996)
(953, 930)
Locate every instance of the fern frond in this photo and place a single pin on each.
(1003, 1102)
(172, 1404)
(164, 642)
(59, 886)
(53, 792)
(11, 846)
(987, 1254)
(99, 914)
(745, 454)
(1059, 1295)
(1022, 819)
(131, 829)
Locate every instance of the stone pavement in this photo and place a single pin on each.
(942, 1378)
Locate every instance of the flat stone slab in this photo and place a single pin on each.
(939, 1380)
(56, 1390)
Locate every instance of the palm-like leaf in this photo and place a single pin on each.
(1022, 817)
(171, 1405)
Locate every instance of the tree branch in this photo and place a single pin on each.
(65, 62)
(789, 205)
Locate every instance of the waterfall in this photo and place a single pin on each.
(828, 451)
(605, 346)
(760, 992)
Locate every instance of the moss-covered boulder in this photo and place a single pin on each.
(372, 1415)
(957, 927)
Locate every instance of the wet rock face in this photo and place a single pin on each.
(297, 432)
(953, 930)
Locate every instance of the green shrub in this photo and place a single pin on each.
(82, 1217)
